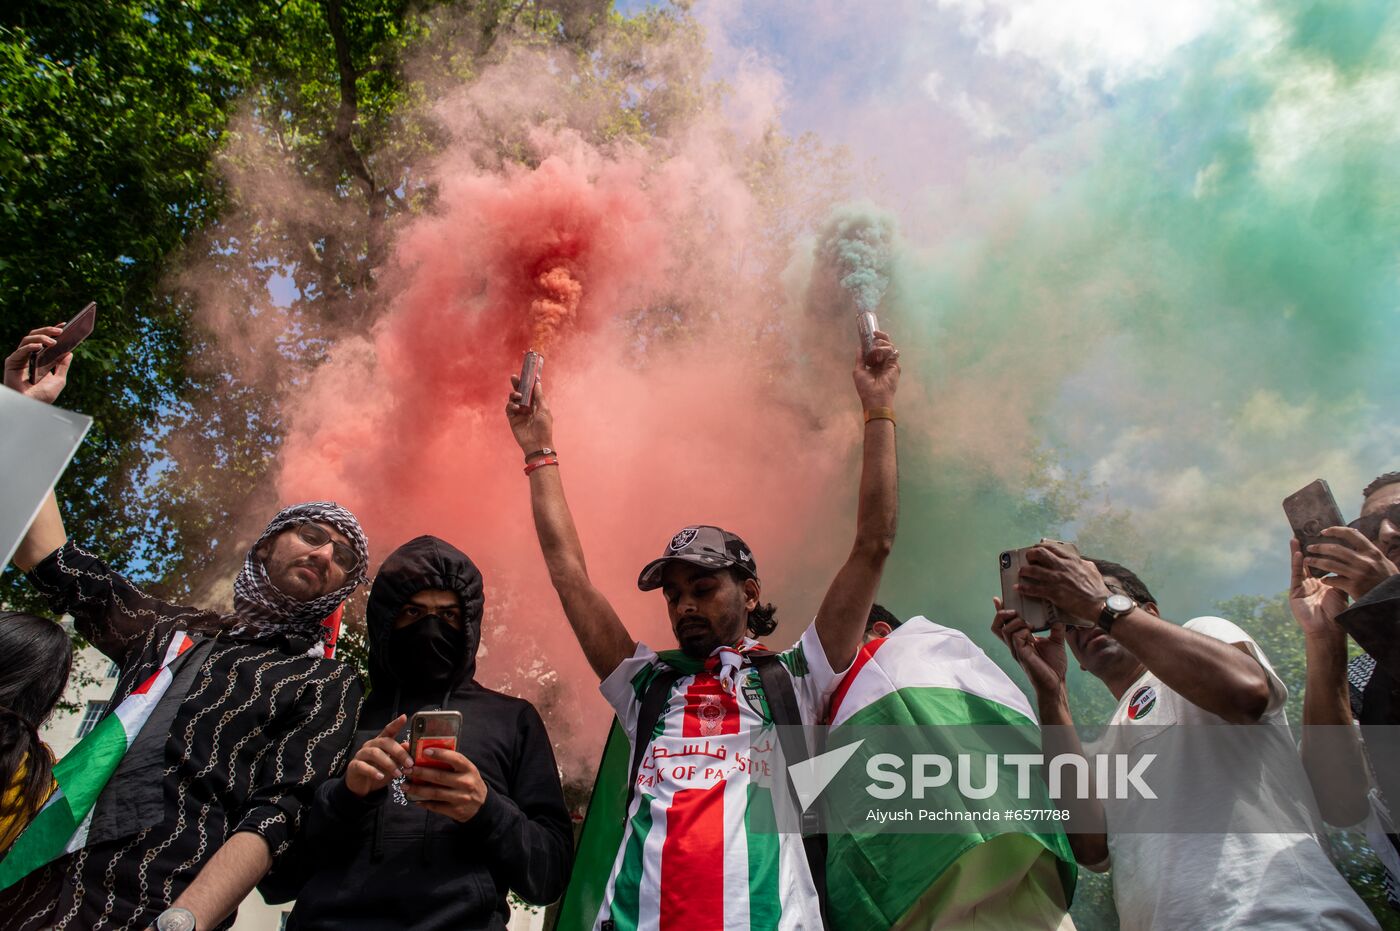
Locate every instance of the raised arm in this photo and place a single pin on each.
(46, 533)
(1332, 754)
(1044, 661)
(841, 618)
(599, 630)
(1223, 678)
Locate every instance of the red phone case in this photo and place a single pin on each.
(440, 743)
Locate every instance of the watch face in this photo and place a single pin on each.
(1120, 604)
(175, 919)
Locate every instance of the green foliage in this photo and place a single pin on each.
(111, 118)
(108, 114)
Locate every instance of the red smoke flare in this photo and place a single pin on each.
(659, 425)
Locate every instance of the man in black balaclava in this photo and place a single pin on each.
(444, 853)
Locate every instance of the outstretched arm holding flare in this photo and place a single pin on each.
(600, 632)
(840, 620)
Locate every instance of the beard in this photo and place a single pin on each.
(699, 641)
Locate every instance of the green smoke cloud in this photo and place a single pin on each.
(1154, 324)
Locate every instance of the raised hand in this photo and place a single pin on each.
(47, 384)
(1358, 564)
(1042, 658)
(532, 426)
(381, 759)
(1070, 583)
(877, 375)
(1315, 603)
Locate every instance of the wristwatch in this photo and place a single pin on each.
(175, 919)
(1115, 607)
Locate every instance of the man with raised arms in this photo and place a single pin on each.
(689, 857)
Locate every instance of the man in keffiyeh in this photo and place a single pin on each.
(221, 725)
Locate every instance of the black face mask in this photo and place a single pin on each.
(426, 654)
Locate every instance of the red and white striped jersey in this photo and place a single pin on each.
(692, 857)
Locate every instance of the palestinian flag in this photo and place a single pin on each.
(603, 826)
(61, 826)
(925, 674)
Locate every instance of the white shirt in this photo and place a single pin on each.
(1186, 880)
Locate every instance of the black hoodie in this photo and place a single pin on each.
(377, 862)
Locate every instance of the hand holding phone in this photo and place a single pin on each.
(1042, 658)
(42, 384)
(1038, 613)
(379, 760)
(1310, 511)
(431, 729)
(74, 332)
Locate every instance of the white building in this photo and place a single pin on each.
(90, 693)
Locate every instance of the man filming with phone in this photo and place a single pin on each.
(436, 842)
(1173, 864)
(219, 731)
(1355, 781)
(688, 857)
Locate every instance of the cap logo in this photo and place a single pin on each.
(683, 539)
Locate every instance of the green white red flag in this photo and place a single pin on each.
(61, 826)
(922, 675)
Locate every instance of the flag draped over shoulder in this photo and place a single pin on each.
(602, 832)
(922, 674)
(925, 674)
(61, 826)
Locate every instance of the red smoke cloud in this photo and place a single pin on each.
(590, 256)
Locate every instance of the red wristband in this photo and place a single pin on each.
(541, 463)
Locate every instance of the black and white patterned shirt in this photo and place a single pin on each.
(257, 727)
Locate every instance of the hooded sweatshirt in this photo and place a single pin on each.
(384, 862)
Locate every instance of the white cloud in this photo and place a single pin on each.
(979, 116)
(1087, 41)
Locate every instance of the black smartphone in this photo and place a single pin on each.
(77, 330)
(1311, 510)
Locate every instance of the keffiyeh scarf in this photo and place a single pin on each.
(724, 663)
(262, 610)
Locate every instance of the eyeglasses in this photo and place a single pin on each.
(316, 536)
(1370, 525)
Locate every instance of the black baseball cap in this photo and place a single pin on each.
(705, 546)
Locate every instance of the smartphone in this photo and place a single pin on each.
(530, 376)
(431, 729)
(1311, 510)
(866, 324)
(77, 330)
(1038, 613)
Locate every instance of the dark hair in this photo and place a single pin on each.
(1379, 482)
(879, 612)
(35, 656)
(1132, 585)
(763, 619)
